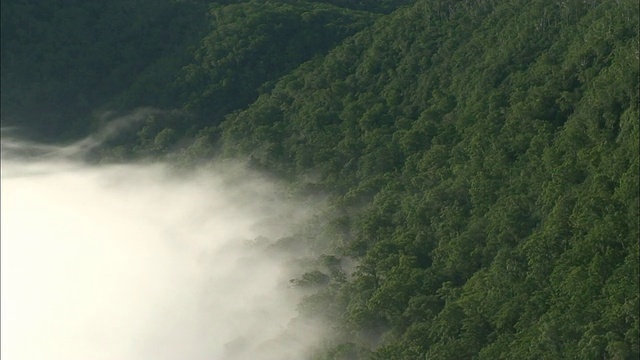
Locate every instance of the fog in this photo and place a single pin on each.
(144, 261)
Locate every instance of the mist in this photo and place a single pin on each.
(144, 261)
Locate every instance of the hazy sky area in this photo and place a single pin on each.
(140, 261)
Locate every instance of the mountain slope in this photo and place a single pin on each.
(494, 150)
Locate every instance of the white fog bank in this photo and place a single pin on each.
(141, 261)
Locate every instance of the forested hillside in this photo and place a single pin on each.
(480, 157)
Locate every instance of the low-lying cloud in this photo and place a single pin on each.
(144, 261)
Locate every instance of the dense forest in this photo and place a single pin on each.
(480, 157)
